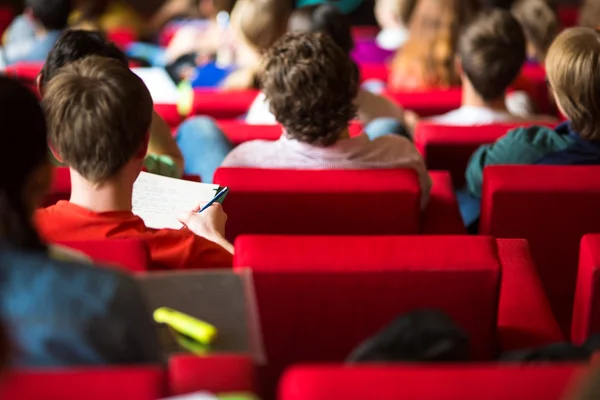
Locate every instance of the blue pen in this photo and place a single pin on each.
(217, 199)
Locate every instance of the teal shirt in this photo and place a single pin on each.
(523, 146)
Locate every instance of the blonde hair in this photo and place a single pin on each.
(540, 24)
(427, 58)
(261, 22)
(573, 68)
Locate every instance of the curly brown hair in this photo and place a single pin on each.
(310, 83)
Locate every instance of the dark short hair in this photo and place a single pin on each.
(310, 83)
(323, 18)
(492, 52)
(53, 14)
(74, 45)
(99, 115)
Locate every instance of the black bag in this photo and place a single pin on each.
(421, 335)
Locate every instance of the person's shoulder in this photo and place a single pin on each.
(249, 153)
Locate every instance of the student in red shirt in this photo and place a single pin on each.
(99, 115)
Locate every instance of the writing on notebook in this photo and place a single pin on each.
(158, 199)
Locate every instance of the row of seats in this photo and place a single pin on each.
(183, 374)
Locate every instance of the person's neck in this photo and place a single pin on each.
(471, 98)
(115, 194)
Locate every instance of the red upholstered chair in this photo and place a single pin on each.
(439, 382)
(129, 254)
(217, 374)
(319, 297)
(7, 14)
(568, 15)
(552, 207)
(122, 37)
(328, 202)
(380, 72)
(450, 147)
(169, 113)
(586, 308)
(139, 383)
(222, 104)
(430, 102)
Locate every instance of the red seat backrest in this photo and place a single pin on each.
(318, 297)
(135, 383)
(221, 104)
(216, 373)
(130, 254)
(430, 102)
(569, 15)
(7, 14)
(473, 382)
(552, 207)
(328, 202)
(449, 148)
(586, 308)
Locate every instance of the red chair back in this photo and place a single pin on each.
(552, 207)
(319, 297)
(131, 254)
(139, 383)
(490, 382)
(586, 308)
(283, 202)
(7, 14)
(449, 148)
(430, 102)
(221, 104)
(217, 374)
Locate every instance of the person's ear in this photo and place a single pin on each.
(38, 83)
(458, 66)
(55, 154)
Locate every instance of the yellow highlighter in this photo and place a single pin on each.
(187, 325)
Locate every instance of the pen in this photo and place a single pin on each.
(215, 199)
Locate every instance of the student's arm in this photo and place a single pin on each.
(163, 151)
(519, 146)
(209, 224)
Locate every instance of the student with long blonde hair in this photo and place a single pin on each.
(427, 59)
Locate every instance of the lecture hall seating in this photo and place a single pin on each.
(586, 307)
(552, 207)
(132, 255)
(430, 382)
(319, 297)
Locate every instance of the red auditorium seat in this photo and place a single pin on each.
(429, 103)
(217, 374)
(568, 15)
(552, 207)
(7, 14)
(130, 254)
(122, 37)
(321, 296)
(360, 202)
(169, 113)
(440, 382)
(449, 148)
(586, 308)
(135, 383)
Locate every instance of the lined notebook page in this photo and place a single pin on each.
(157, 199)
(162, 88)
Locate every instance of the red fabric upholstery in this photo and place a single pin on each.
(380, 72)
(122, 37)
(222, 104)
(169, 113)
(140, 383)
(7, 14)
(130, 254)
(217, 374)
(450, 147)
(442, 217)
(525, 318)
(428, 103)
(489, 382)
(586, 308)
(568, 15)
(552, 207)
(24, 70)
(366, 31)
(318, 297)
(363, 202)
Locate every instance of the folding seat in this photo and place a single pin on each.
(552, 207)
(586, 308)
(132, 383)
(129, 254)
(432, 382)
(329, 202)
(318, 297)
(449, 148)
(218, 374)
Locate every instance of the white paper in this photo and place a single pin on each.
(162, 88)
(157, 199)
(194, 396)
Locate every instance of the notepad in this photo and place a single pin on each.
(162, 88)
(157, 199)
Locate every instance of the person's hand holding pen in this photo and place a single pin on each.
(210, 223)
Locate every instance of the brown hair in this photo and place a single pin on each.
(589, 16)
(310, 83)
(261, 22)
(573, 68)
(427, 58)
(99, 115)
(540, 24)
(492, 52)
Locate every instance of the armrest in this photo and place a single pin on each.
(442, 217)
(525, 318)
